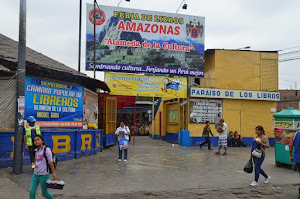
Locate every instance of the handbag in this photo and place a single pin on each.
(257, 153)
(249, 166)
(123, 144)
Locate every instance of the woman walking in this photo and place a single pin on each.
(41, 174)
(122, 132)
(258, 151)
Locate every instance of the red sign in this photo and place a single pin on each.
(99, 17)
(195, 33)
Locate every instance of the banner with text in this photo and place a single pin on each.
(139, 41)
(202, 110)
(54, 104)
(234, 94)
(147, 86)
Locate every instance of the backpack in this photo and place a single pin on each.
(129, 134)
(54, 159)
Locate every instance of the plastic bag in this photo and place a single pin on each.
(249, 166)
(123, 144)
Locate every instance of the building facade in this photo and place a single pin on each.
(239, 86)
(289, 98)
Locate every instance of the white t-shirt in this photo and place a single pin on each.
(120, 132)
(224, 133)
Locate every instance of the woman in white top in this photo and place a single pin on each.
(122, 132)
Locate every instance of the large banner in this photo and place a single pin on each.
(139, 41)
(54, 104)
(147, 86)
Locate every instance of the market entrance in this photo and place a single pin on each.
(134, 111)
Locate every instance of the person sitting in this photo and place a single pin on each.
(230, 138)
(238, 140)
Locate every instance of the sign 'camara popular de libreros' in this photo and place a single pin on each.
(54, 104)
(138, 41)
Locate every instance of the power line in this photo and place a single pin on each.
(289, 59)
(290, 52)
(289, 48)
(288, 80)
(289, 75)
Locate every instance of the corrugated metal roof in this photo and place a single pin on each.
(41, 65)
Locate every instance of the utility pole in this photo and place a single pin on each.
(152, 115)
(21, 70)
(79, 49)
(94, 39)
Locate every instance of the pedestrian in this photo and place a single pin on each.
(31, 129)
(295, 158)
(122, 132)
(230, 139)
(258, 152)
(222, 129)
(41, 174)
(238, 140)
(205, 134)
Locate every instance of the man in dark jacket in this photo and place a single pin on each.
(205, 134)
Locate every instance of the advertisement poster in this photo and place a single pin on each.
(147, 86)
(202, 110)
(173, 116)
(54, 104)
(90, 110)
(140, 41)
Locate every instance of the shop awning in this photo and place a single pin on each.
(288, 113)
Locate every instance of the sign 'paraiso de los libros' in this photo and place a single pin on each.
(140, 41)
(234, 94)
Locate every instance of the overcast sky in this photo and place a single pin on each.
(52, 27)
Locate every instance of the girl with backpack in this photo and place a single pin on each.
(41, 174)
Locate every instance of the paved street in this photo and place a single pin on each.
(157, 169)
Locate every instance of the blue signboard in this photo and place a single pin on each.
(54, 104)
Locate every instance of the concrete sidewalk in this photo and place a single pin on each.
(157, 169)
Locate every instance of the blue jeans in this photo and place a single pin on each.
(125, 154)
(120, 153)
(257, 167)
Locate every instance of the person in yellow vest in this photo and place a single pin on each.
(31, 129)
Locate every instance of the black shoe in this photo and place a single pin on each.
(225, 153)
(210, 149)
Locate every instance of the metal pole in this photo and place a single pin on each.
(153, 117)
(79, 49)
(94, 38)
(18, 140)
(134, 122)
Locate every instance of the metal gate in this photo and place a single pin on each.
(111, 115)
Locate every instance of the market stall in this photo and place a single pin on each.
(287, 122)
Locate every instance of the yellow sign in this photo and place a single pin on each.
(147, 86)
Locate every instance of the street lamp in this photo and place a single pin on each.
(184, 5)
(121, 1)
(244, 48)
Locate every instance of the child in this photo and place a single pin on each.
(41, 175)
(205, 133)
